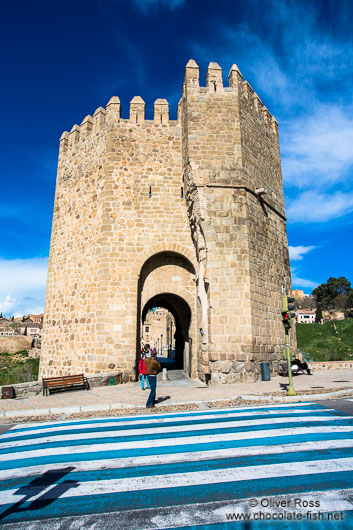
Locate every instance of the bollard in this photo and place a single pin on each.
(165, 374)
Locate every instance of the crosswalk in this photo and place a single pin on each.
(287, 465)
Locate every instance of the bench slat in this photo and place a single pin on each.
(64, 381)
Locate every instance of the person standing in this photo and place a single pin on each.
(142, 371)
(152, 369)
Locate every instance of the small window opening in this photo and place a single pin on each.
(182, 192)
(150, 192)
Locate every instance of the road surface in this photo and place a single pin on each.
(279, 466)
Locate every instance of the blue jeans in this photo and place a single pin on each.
(153, 382)
(143, 381)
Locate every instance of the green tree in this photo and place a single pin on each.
(15, 326)
(318, 316)
(326, 293)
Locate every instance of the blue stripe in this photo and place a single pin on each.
(145, 451)
(163, 436)
(148, 417)
(135, 500)
(117, 428)
(179, 467)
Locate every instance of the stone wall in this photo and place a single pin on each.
(232, 150)
(166, 213)
(15, 343)
(331, 365)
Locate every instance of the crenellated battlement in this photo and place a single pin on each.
(214, 83)
(111, 114)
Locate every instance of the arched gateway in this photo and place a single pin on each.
(184, 214)
(167, 279)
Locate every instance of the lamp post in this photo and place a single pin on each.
(161, 343)
(171, 334)
(158, 344)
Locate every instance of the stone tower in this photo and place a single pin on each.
(185, 214)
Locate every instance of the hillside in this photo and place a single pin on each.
(332, 341)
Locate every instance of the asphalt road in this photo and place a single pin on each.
(4, 427)
(341, 405)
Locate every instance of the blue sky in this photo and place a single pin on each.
(62, 60)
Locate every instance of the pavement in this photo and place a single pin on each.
(179, 390)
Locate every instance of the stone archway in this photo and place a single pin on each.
(167, 279)
(181, 312)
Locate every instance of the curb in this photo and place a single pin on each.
(201, 404)
(301, 397)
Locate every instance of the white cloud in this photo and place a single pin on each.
(316, 207)
(298, 283)
(317, 148)
(296, 253)
(22, 285)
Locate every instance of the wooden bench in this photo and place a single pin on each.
(64, 382)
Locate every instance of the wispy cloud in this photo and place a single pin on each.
(316, 207)
(319, 146)
(299, 283)
(302, 282)
(297, 253)
(22, 287)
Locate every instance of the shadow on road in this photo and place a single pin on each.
(162, 398)
(34, 488)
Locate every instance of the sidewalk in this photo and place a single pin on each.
(177, 392)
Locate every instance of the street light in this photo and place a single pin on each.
(171, 334)
(161, 343)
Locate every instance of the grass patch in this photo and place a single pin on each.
(332, 341)
(17, 368)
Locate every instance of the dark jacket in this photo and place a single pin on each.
(152, 366)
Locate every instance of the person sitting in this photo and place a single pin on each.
(299, 364)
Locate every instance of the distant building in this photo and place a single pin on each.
(305, 316)
(158, 330)
(333, 314)
(34, 329)
(298, 293)
(33, 318)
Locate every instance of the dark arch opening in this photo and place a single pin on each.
(182, 316)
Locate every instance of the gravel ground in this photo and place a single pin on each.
(163, 409)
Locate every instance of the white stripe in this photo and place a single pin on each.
(170, 430)
(170, 458)
(183, 480)
(195, 515)
(189, 412)
(151, 421)
(172, 442)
